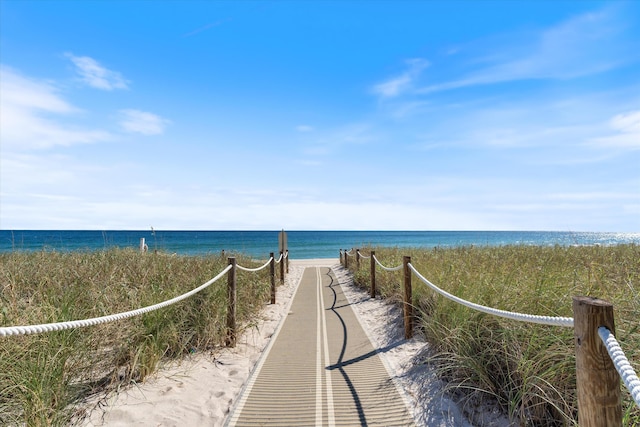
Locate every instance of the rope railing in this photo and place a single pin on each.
(265, 265)
(398, 268)
(60, 326)
(231, 324)
(363, 256)
(531, 318)
(596, 384)
(621, 363)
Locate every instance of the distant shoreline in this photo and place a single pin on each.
(301, 244)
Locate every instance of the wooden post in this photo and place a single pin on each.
(597, 380)
(346, 259)
(281, 268)
(287, 261)
(231, 310)
(357, 259)
(143, 246)
(341, 257)
(272, 274)
(408, 299)
(373, 274)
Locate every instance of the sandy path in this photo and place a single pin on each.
(202, 389)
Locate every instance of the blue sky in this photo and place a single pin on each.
(422, 115)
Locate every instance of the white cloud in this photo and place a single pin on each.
(304, 128)
(393, 87)
(21, 92)
(404, 81)
(137, 121)
(28, 106)
(574, 129)
(95, 75)
(627, 132)
(627, 122)
(586, 44)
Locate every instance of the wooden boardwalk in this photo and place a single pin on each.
(320, 368)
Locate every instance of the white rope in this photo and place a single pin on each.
(254, 269)
(363, 257)
(398, 268)
(348, 253)
(48, 327)
(286, 254)
(279, 259)
(621, 363)
(543, 320)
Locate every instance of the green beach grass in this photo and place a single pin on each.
(527, 369)
(44, 378)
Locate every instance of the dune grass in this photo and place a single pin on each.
(527, 369)
(44, 378)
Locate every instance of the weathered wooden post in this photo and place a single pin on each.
(408, 300)
(272, 274)
(230, 341)
(357, 259)
(282, 267)
(346, 259)
(373, 274)
(341, 257)
(597, 380)
(143, 246)
(284, 250)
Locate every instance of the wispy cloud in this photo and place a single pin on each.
(586, 44)
(95, 75)
(19, 91)
(33, 114)
(206, 27)
(356, 133)
(577, 130)
(624, 132)
(143, 122)
(304, 128)
(337, 140)
(627, 122)
(400, 84)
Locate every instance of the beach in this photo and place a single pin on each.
(203, 389)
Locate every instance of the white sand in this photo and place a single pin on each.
(202, 389)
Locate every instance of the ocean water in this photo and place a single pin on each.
(301, 244)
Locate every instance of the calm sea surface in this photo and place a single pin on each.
(302, 244)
